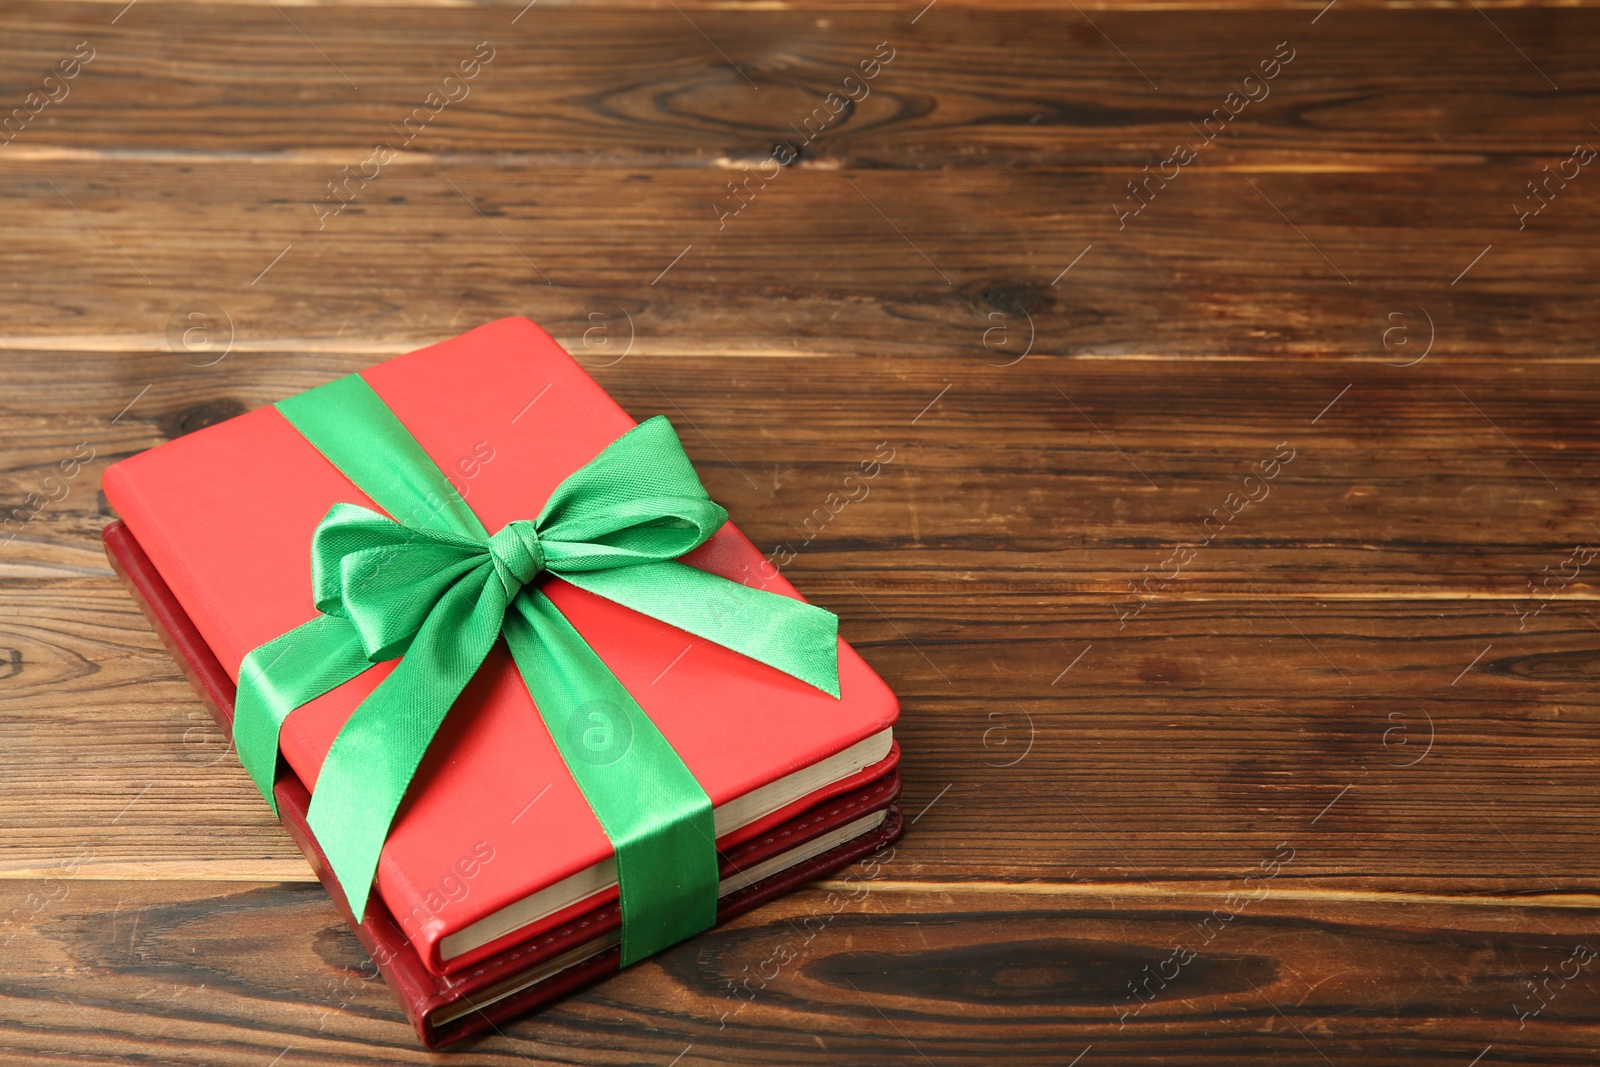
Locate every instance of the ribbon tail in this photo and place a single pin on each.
(372, 761)
(799, 639)
(281, 675)
(657, 816)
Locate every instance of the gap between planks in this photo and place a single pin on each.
(152, 344)
(298, 157)
(1159, 6)
(1210, 892)
(1081, 591)
(819, 582)
(156, 345)
(292, 871)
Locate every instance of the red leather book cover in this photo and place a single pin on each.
(226, 515)
(449, 1008)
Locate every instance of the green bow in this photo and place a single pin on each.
(437, 591)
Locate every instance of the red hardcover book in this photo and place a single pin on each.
(445, 1009)
(495, 847)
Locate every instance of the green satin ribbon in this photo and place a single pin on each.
(436, 590)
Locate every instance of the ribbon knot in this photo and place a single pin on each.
(517, 555)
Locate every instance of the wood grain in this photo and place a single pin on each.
(1381, 672)
(873, 972)
(1440, 480)
(1425, 746)
(1218, 266)
(964, 88)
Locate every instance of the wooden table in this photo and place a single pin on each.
(1234, 563)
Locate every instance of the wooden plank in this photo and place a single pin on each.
(1124, 481)
(966, 87)
(1418, 746)
(884, 263)
(870, 971)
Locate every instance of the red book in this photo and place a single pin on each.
(449, 1008)
(495, 846)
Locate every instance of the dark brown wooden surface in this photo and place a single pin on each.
(1357, 679)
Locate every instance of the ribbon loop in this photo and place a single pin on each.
(638, 501)
(384, 577)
